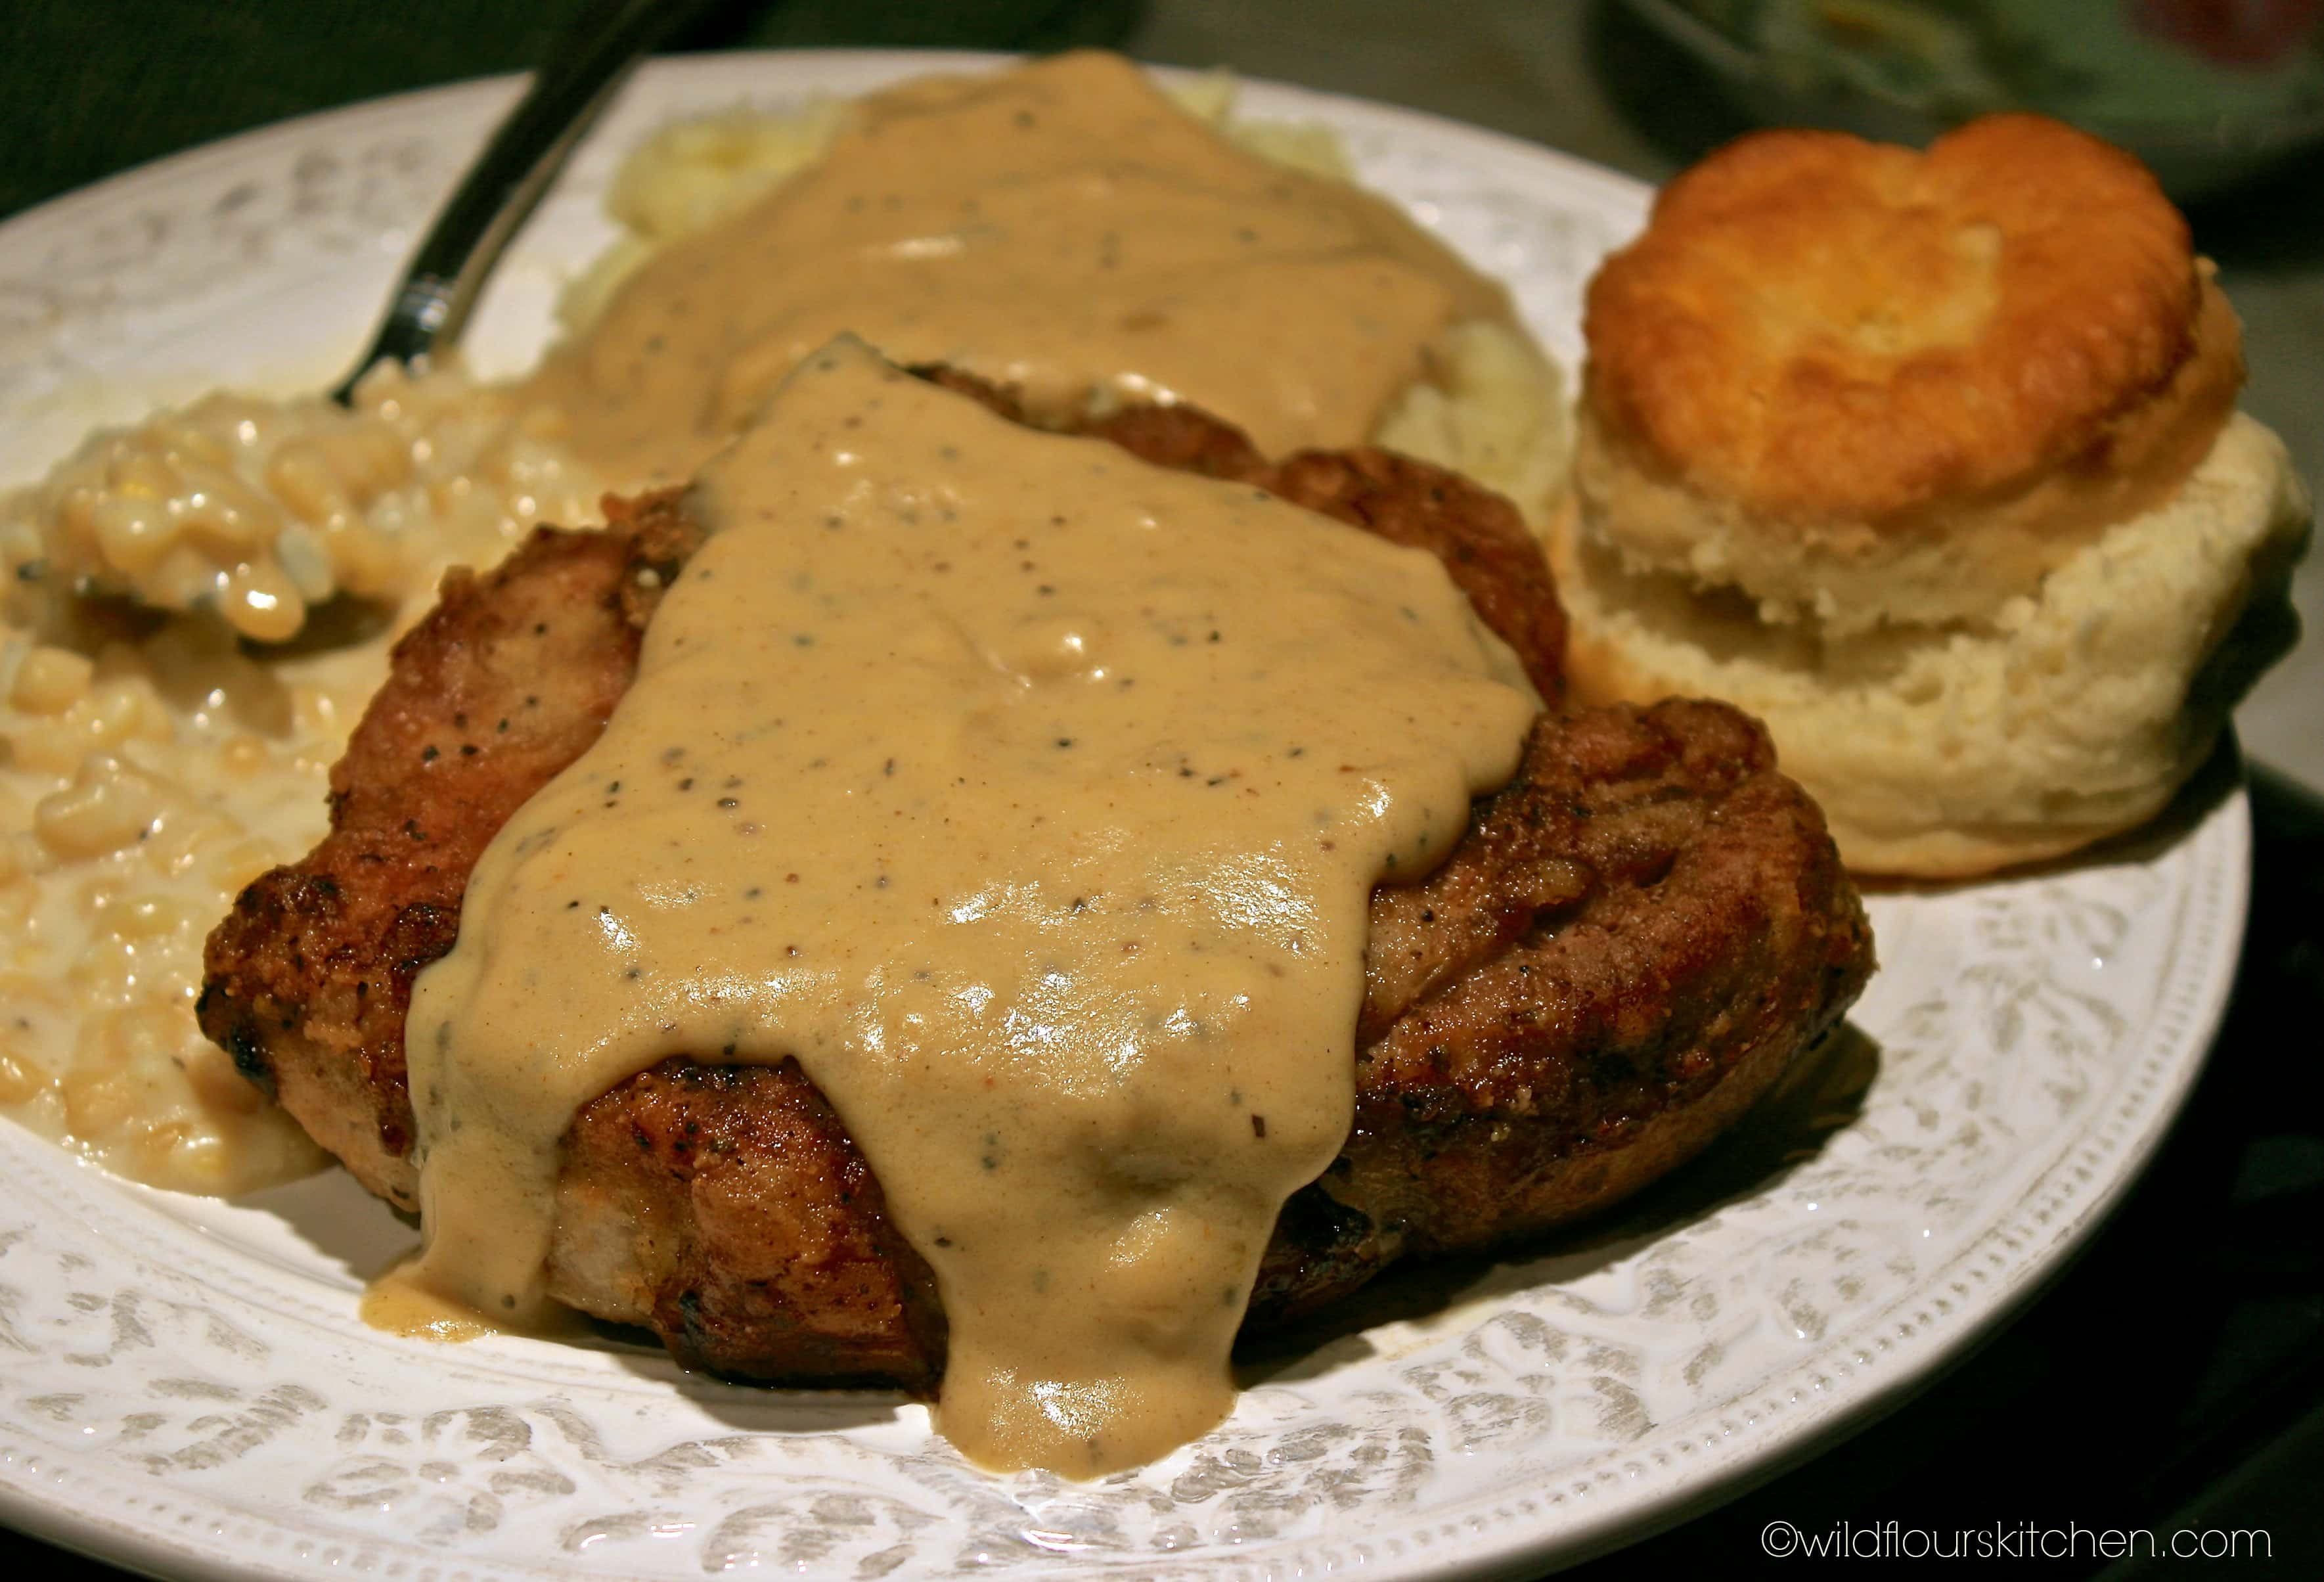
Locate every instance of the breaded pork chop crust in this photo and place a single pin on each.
(1628, 945)
(508, 681)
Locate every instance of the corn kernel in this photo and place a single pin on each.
(145, 916)
(259, 601)
(242, 753)
(51, 680)
(109, 805)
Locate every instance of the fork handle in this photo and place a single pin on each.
(440, 285)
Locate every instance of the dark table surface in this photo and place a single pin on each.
(2174, 1376)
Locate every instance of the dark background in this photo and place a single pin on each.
(88, 88)
(2174, 1375)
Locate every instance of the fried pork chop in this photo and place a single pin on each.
(1627, 947)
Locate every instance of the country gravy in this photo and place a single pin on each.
(1062, 229)
(1027, 796)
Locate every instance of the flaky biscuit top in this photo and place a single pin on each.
(1855, 380)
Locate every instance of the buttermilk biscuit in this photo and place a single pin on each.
(1931, 462)
(1867, 385)
(1947, 750)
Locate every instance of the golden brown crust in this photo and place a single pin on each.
(1958, 559)
(1816, 327)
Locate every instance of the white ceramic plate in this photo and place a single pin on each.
(184, 1385)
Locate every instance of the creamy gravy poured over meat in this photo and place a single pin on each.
(1062, 228)
(1027, 795)
(1030, 798)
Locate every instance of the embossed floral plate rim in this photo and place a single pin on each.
(184, 1387)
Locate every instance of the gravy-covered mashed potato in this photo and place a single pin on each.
(196, 609)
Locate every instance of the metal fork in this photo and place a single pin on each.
(439, 289)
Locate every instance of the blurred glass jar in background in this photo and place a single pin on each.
(2207, 91)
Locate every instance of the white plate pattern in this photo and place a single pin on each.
(184, 1385)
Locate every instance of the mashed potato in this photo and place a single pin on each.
(194, 611)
